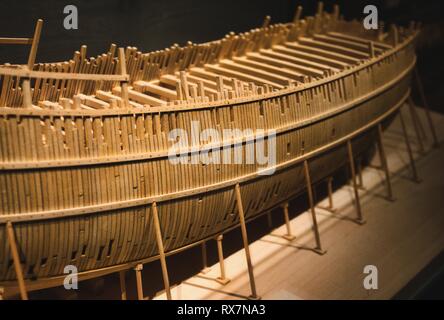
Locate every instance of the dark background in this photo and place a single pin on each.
(156, 24)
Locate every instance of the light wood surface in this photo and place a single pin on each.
(84, 143)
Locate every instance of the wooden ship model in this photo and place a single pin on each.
(85, 178)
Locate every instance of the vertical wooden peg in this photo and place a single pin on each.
(297, 14)
(269, 220)
(409, 149)
(16, 260)
(26, 89)
(359, 219)
(330, 207)
(123, 84)
(205, 268)
(289, 236)
(160, 247)
(138, 269)
(123, 295)
(35, 44)
(240, 209)
(222, 279)
(318, 248)
(384, 164)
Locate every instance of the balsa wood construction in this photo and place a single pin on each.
(85, 177)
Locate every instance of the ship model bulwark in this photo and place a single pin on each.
(84, 144)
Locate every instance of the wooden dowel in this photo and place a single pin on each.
(122, 285)
(409, 149)
(245, 241)
(297, 14)
(266, 22)
(35, 44)
(26, 88)
(138, 269)
(160, 247)
(24, 41)
(289, 236)
(384, 164)
(418, 120)
(416, 124)
(330, 206)
(426, 107)
(360, 220)
(269, 220)
(16, 260)
(222, 278)
(205, 268)
(123, 84)
(330, 192)
(318, 247)
(359, 171)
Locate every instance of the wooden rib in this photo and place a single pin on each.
(145, 86)
(229, 64)
(140, 97)
(309, 60)
(357, 39)
(334, 48)
(295, 63)
(241, 76)
(362, 47)
(322, 53)
(269, 68)
(109, 97)
(94, 102)
(20, 41)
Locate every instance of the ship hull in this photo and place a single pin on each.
(78, 185)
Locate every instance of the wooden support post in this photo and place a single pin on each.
(416, 124)
(138, 269)
(205, 268)
(330, 206)
(417, 119)
(122, 285)
(16, 260)
(123, 84)
(289, 236)
(269, 220)
(330, 193)
(35, 44)
(166, 280)
(426, 107)
(359, 219)
(243, 226)
(384, 164)
(409, 149)
(222, 279)
(359, 170)
(318, 248)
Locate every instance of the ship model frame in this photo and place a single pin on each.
(84, 173)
